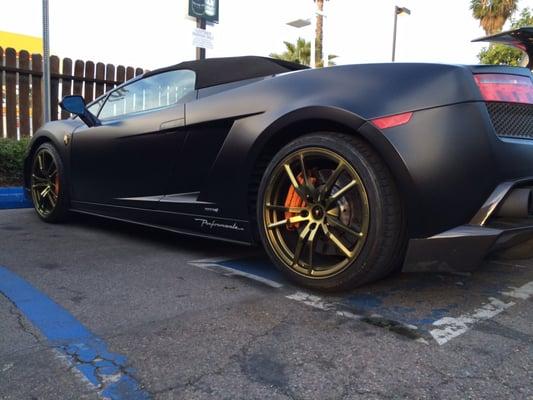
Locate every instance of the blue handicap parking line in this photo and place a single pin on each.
(13, 197)
(106, 370)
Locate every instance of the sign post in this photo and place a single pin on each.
(204, 11)
(200, 51)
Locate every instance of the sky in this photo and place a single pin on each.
(157, 33)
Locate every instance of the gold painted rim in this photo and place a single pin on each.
(44, 183)
(330, 225)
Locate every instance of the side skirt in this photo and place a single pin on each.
(206, 226)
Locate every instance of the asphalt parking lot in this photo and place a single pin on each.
(97, 308)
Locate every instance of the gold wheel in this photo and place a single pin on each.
(316, 213)
(44, 182)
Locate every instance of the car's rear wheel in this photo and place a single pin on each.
(329, 214)
(48, 184)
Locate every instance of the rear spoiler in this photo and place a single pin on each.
(520, 38)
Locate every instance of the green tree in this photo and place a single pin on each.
(501, 54)
(300, 52)
(492, 14)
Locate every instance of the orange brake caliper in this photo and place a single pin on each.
(294, 200)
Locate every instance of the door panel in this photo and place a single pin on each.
(127, 158)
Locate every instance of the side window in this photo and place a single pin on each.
(149, 93)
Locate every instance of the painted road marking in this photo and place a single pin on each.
(104, 371)
(13, 197)
(251, 268)
(411, 320)
(451, 327)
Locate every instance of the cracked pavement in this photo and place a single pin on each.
(190, 333)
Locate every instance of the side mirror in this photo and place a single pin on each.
(76, 105)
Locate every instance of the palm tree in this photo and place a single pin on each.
(319, 34)
(331, 63)
(492, 14)
(299, 52)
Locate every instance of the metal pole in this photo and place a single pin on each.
(394, 34)
(46, 62)
(200, 52)
(312, 62)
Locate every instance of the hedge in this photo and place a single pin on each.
(11, 161)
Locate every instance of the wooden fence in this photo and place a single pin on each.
(21, 90)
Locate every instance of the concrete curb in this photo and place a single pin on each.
(13, 197)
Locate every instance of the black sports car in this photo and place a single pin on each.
(344, 174)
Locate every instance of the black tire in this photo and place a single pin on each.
(384, 247)
(59, 211)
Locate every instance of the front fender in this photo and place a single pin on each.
(53, 132)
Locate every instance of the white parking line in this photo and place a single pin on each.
(321, 304)
(444, 330)
(451, 327)
(213, 264)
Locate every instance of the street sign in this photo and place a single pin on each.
(202, 38)
(206, 9)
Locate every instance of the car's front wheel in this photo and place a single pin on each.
(329, 213)
(48, 184)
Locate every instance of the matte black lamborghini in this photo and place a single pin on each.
(344, 174)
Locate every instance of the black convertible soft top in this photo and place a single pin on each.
(216, 71)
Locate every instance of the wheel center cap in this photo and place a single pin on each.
(317, 212)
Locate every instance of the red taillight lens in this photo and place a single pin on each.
(392, 120)
(506, 88)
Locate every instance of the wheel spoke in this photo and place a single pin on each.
(51, 166)
(297, 218)
(277, 223)
(338, 224)
(310, 245)
(288, 170)
(38, 178)
(304, 172)
(334, 212)
(39, 184)
(53, 172)
(342, 191)
(300, 244)
(294, 181)
(51, 199)
(45, 191)
(285, 208)
(40, 161)
(332, 179)
(336, 241)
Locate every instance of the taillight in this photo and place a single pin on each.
(392, 120)
(505, 88)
